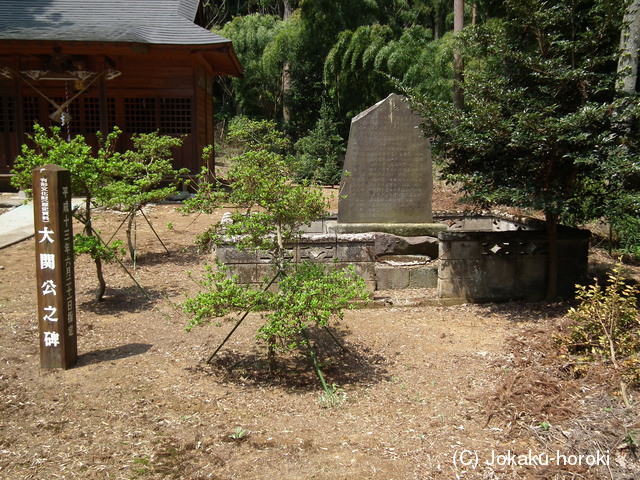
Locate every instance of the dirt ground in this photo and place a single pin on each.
(429, 391)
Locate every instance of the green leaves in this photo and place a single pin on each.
(96, 248)
(221, 294)
(142, 175)
(542, 127)
(605, 326)
(106, 178)
(271, 205)
(310, 295)
(321, 152)
(271, 208)
(88, 172)
(259, 92)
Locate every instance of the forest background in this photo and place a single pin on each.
(312, 65)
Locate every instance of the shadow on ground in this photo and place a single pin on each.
(115, 353)
(122, 300)
(527, 311)
(342, 363)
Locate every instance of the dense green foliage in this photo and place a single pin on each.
(321, 153)
(542, 126)
(259, 92)
(304, 59)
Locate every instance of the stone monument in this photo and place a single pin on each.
(388, 184)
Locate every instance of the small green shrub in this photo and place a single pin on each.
(271, 208)
(239, 434)
(91, 173)
(333, 397)
(606, 327)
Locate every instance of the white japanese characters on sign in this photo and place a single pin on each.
(54, 267)
(48, 288)
(51, 339)
(47, 261)
(46, 235)
(44, 199)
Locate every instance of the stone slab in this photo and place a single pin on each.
(400, 229)
(389, 244)
(388, 161)
(16, 225)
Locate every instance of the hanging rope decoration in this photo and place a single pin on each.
(65, 116)
(59, 115)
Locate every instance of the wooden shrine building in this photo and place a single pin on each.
(90, 65)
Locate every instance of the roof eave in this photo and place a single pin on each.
(220, 57)
(223, 57)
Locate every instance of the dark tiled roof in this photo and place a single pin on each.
(163, 22)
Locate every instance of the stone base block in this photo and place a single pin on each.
(401, 229)
(423, 277)
(391, 278)
(397, 278)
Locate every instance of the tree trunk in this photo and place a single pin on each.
(88, 231)
(286, 91)
(102, 285)
(458, 65)
(629, 46)
(130, 240)
(552, 265)
(286, 9)
(286, 70)
(271, 356)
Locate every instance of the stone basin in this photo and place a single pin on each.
(480, 258)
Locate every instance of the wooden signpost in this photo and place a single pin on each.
(54, 267)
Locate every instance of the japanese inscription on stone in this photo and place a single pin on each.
(389, 165)
(54, 267)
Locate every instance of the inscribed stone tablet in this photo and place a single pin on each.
(389, 165)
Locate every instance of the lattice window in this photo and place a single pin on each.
(31, 112)
(175, 116)
(140, 115)
(10, 122)
(7, 114)
(91, 109)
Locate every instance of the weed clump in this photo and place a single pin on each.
(606, 328)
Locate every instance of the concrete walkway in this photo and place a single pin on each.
(16, 225)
